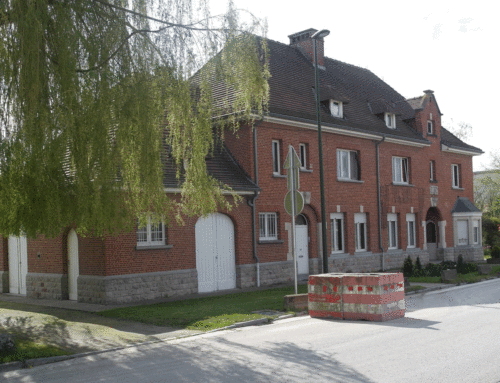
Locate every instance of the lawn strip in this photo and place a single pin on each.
(207, 313)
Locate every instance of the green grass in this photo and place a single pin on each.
(207, 313)
(414, 288)
(26, 349)
(425, 279)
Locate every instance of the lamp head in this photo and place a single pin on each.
(320, 34)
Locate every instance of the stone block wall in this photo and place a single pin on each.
(246, 276)
(274, 273)
(4, 281)
(47, 286)
(137, 287)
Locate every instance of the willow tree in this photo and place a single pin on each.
(92, 91)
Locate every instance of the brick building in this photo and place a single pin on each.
(397, 184)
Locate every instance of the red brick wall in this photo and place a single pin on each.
(91, 256)
(47, 255)
(123, 258)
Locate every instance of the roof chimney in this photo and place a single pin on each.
(302, 41)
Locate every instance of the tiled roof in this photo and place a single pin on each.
(464, 205)
(452, 141)
(366, 96)
(221, 165)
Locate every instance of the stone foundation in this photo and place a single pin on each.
(47, 286)
(4, 281)
(469, 253)
(276, 273)
(136, 287)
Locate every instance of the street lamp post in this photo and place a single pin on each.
(317, 36)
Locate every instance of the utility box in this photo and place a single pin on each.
(364, 296)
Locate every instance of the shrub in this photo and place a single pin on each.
(408, 267)
(460, 264)
(7, 344)
(495, 252)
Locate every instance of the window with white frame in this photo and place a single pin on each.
(400, 170)
(303, 156)
(463, 232)
(336, 108)
(348, 166)
(411, 230)
(475, 232)
(392, 225)
(268, 226)
(276, 157)
(455, 176)
(337, 227)
(360, 231)
(152, 234)
(390, 120)
(430, 127)
(432, 167)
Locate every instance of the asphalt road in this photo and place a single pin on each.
(450, 335)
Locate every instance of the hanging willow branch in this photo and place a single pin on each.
(90, 93)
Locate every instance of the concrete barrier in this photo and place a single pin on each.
(448, 275)
(296, 302)
(373, 296)
(484, 269)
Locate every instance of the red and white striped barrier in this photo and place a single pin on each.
(374, 296)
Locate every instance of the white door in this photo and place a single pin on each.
(73, 265)
(302, 249)
(215, 258)
(18, 264)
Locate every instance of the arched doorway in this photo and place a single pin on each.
(73, 265)
(215, 257)
(302, 244)
(431, 231)
(18, 264)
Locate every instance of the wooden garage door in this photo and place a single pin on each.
(215, 259)
(18, 264)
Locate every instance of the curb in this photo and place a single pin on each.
(30, 363)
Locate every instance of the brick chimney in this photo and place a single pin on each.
(302, 40)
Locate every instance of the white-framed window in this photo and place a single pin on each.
(475, 232)
(276, 157)
(411, 230)
(390, 120)
(430, 127)
(432, 168)
(303, 156)
(392, 225)
(337, 227)
(360, 231)
(400, 170)
(336, 108)
(348, 166)
(153, 234)
(268, 226)
(455, 176)
(463, 232)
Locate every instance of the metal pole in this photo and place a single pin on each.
(321, 171)
(292, 190)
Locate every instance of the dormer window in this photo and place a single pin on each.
(430, 127)
(390, 120)
(336, 108)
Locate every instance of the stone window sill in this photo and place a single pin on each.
(455, 188)
(349, 180)
(279, 175)
(402, 184)
(306, 170)
(161, 247)
(272, 242)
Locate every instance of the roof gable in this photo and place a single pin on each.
(464, 205)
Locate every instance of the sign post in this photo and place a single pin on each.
(294, 202)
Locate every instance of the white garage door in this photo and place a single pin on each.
(18, 264)
(215, 260)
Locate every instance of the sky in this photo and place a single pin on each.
(450, 47)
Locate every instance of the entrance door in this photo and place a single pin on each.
(215, 258)
(18, 264)
(302, 245)
(73, 266)
(431, 233)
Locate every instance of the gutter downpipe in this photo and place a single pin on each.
(379, 201)
(251, 202)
